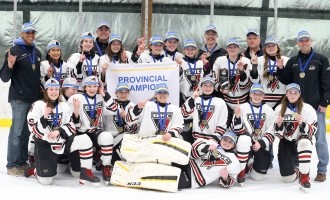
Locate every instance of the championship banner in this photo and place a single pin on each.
(142, 79)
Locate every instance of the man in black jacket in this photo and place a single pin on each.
(311, 71)
(22, 67)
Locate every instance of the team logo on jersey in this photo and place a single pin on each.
(94, 70)
(252, 122)
(272, 83)
(97, 111)
(233, 88)
(220, 160)
(155, 118)
(197, 76)
(208, 116)
(53, 115)
(290, 124)
(312, 67)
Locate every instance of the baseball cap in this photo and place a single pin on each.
(156, 40)
(122, 86)
(232, 41)
(232, 136)
(303, 34)
(28, 26)
(70, 83)
(189, 43)
(207, 79)
(293, 86)
(114, 37)
(256, 87)
(161, 88)
(103, 23)
(253, 31)
(171, 35)
(52, 44)
(52, 83)
(91, 80)
(88, 35)
(211, 28)
(271, 40)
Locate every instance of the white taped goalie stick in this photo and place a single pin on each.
(154, 149)
(146, 175)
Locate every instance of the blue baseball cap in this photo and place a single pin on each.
(156, 40)
(114, 37)
(232, 41)
(189, 43)
(103, 23)
(171, 35)
(256, 87)
(27, 27)
(52, 83)
(88, 35)
(207, 79)
(303, 34)
(253, 31)
(52, 44)
(70, 83)
(122, 86)
(293, 86)
(211, 28)
(161, 88)
(91, 80)
(231, 135)
(271, 40)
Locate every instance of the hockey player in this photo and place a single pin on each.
(253, 123)
(209, 162)
(85, 63)
(54, 134)
(156, 52)
(211, 50)
(115, 122)
(209, 113)
(157, 117)
(53, 66)
(295, 125)
(171, 42)
(102, 37)
(69, 87)
(267, 71)
(88, 119)
(232, 73)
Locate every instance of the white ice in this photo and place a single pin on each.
(66, 187)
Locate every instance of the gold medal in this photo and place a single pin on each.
(302, 74)
(92, 122)
(33, 67)
(161, 132)
(56, 128)
(120, 129)
(215, 153)
(193, 77)
(208, 54)
(204, 122)
(270, 77)
(257, 131)
(295, 115)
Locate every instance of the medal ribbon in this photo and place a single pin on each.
(91, 111)
(161, 59)
(89, 66)
(162, 120)
(173, 57)
(57, 75)
(212, 50)
(271, 67)
(204, 112)
(303, 68)
(292, 107)
(256, 121)
(231, 71)
(98, 49)
(192, 71)
(55, 118)
(31, 56)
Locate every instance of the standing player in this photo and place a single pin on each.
(54, 134)
(171, 42)
(156, 52)
(253, 41)
(295, 125)
(102, 37)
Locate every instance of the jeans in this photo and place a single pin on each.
(321, 144)
(18, 139)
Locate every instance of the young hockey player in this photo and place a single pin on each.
(156, 52)
(253, 123)
(88, 119)
(295, 125)
(209, 113)
(157, 117)
(54, 134)
(85, 63)
(210, 161)
(171, 42)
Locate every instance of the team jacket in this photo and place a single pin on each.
(105, 59)
(80, 70)
(102, 47)
(274, 89)
(216, 117)
(148, 119)
(291, 130)
(61, 71)
(147, 57)
(315, 87)
(25, 82)
(239, 84)
(259, 53)
(86, 122)
(206, 165)
(115, 122)
(218, 51)
(41, 127)
(246, 124)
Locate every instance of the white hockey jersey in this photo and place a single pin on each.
(206, 165)
(239, 87)
(86, 122)
(147, 58)
(274, 89)
(149, 120)
(248, 121)
(80, 75)
(41, 127)
(176, 55)
(105, 59)
(187, 85)
(290, 129)
(61, 71)
(216, 117)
